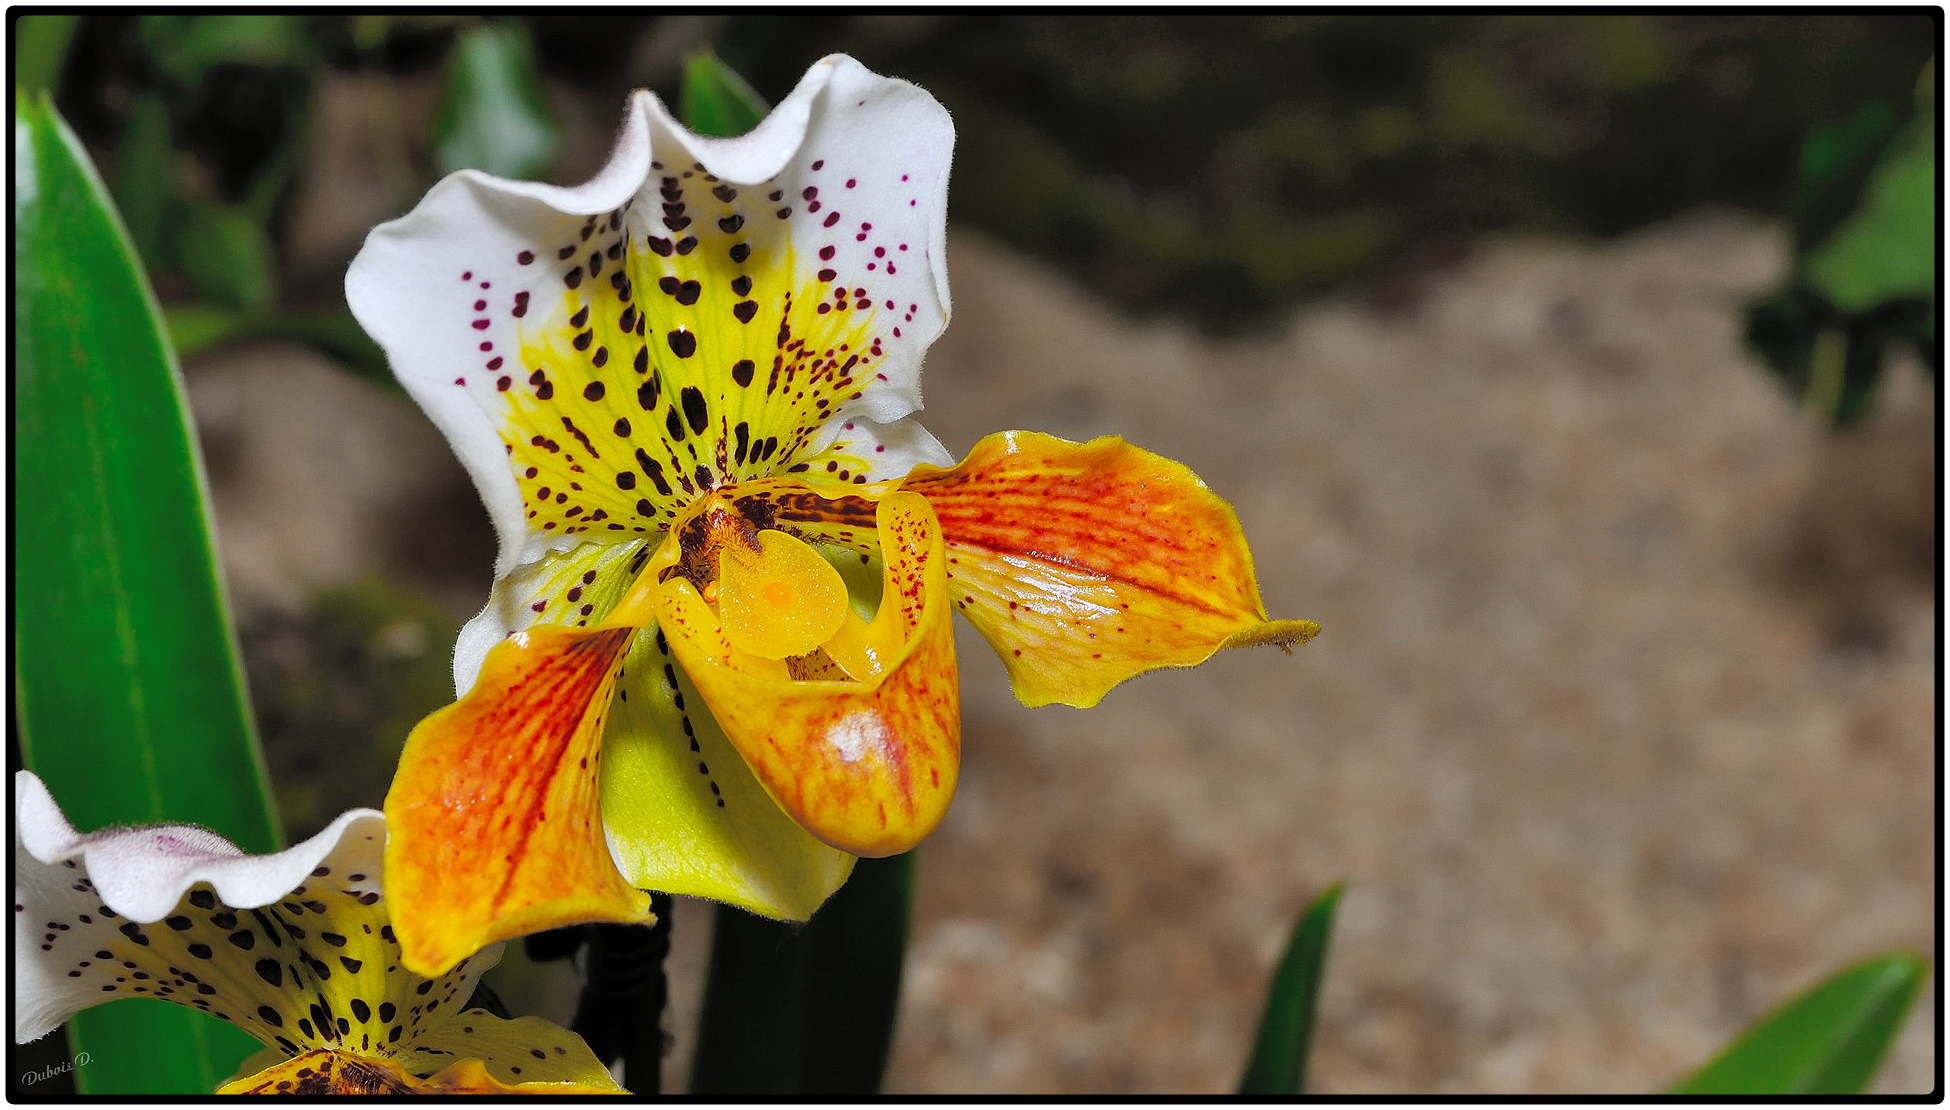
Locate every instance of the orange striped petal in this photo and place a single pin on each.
(492, 820)
(867, 767)
(1085, 564)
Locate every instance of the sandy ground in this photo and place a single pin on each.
(1620, 730)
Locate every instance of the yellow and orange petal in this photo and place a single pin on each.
(682, 813)
(493, 823)
(1084, 564)
(866, 766)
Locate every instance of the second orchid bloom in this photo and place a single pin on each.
(717, 658)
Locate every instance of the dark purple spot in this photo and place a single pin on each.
(694, 408)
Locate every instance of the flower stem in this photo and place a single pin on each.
(624, 989)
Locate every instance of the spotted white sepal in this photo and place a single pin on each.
(446, 289)
(63, 879)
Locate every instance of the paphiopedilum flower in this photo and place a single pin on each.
(728, 554)
(296, 948)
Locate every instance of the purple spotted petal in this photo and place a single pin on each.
(703, 312)
(294, 947)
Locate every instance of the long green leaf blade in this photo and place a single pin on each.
(130, 702)
(807, 1009)
(1286, 1028)
(1828, 1040)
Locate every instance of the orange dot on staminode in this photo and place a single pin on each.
(780, 598)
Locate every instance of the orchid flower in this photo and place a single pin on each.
(295, 948)
(717, 657)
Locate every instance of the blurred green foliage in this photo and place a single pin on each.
(1222, 167)
(1864, 273)
(714, 100)
(491, 115)
(1215, 166)
(41, 49)
(368, 660)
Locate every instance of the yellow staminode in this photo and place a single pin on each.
(780, 598)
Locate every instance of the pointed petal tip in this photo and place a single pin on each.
(1282, 634)
(1084, 564)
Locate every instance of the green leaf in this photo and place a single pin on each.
(715, 100)
(807, 1009)
(40, 50)
(491, 115)
(227, 256)
(1286, 1028)
(1886, 250)
(1826, 1041)
(129, 700)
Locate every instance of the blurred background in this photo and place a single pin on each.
(1536, 353)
